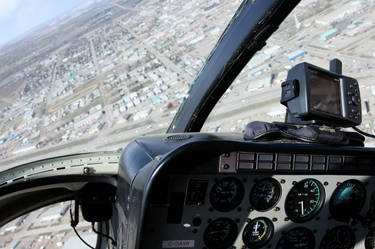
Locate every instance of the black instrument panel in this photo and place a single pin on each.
(265, 200)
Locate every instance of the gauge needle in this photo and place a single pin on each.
(301, 203)
(263, 188)
(256, 227)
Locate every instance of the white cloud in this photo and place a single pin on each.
(8, 8)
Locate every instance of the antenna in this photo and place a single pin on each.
(335, 66)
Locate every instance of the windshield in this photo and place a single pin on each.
(101, 74)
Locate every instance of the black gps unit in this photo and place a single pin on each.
(314, 95)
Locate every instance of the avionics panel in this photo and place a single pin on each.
(264, 200)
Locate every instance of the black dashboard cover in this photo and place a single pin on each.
(312, 134)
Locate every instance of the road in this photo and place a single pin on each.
(103, 92)
(53, 79)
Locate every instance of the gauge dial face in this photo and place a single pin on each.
(304, 200)
(265, 194)
(220, 233)
(226, 194)
(347, 200)
(297, 238)
(341, 237)
(257, 232)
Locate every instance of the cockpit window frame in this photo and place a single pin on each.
(252, 24)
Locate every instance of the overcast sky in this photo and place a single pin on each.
(19, 16)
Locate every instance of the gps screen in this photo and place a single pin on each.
(324, 93)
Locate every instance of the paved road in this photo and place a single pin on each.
(103, 92)
(53, 79)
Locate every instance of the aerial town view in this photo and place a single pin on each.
(113, 70)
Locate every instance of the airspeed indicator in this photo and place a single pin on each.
(304, 200)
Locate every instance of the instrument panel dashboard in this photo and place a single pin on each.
(264, 200)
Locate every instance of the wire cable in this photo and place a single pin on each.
(74, 228)
(99, 240)
(104, 235)
(362, 132)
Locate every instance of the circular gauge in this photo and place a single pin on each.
(220, 233)
(304, 200)
(297, 238)
(347, 200)
(341, 237)
(257, 232)
(226, 194)
(265, 194)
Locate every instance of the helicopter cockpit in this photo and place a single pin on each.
(304, 183)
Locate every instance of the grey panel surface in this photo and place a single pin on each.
(159, 234)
